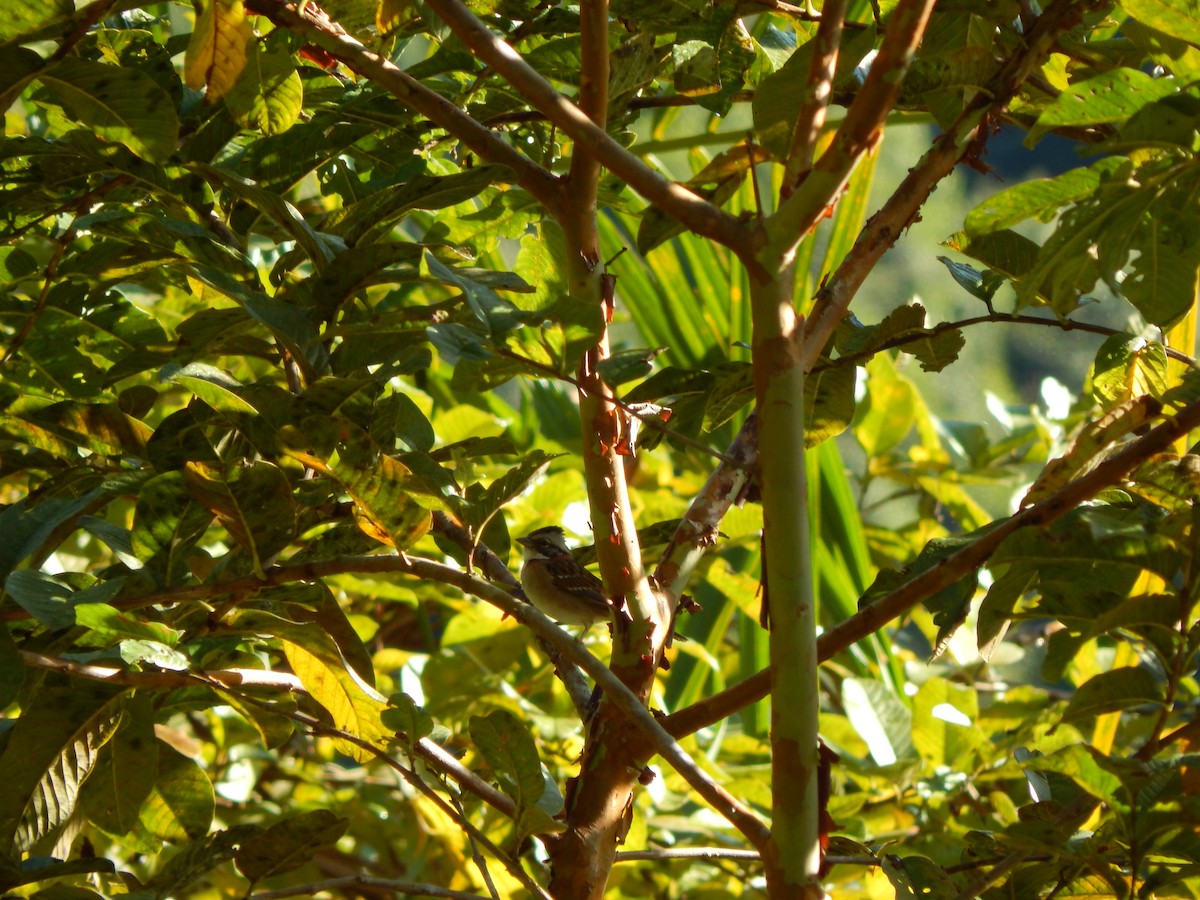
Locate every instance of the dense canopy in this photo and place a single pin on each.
(309, 310)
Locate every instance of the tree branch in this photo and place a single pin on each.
(698, 528)
(882, 230)
(859, 132)
(818, 92)
(658, 740)
(945, 572)
(677, 201)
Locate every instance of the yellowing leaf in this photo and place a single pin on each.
(216, 53)
(354, 706)
(392, 14)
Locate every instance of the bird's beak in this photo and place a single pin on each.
(524, 541)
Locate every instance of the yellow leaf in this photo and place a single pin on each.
(352, 703)
(216, 52)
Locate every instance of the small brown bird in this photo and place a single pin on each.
(556, 584)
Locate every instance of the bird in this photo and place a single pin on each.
(556, 584)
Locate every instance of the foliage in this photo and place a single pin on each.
(296, 341)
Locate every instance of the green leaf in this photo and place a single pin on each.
(26, 17)
(627, 365)
(181, 804)
(1114, 691)
(829, 403)
(289, 843)
(407, 718)
(110, 625)
(319, 248)
(254, 504)
(918, 876)
(12, 669)
(1162, 281)
(511, 754)
(44, 598)
(1084, 765)
(372, 218)
(113, 796)
(945, 725)
(210, 384)
(889, 412)
(508, 486)
(166, 525)
(881, 720)
(98, 427)
(497, 315)
(198, 858)
(392, 504)
(269, 95)
(1178, 18)
(23, 530)
(1105, 98)
(1005, 251)
(1040, 198)
(995, 612)
(120, 104)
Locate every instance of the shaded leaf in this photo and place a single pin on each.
(1113, 691)
(506, 744)
(289, 843)
(1108, 97)
(181, 804)
(254, 504)
(51, 751)
(120, 104)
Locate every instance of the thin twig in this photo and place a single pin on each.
(898, 342)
